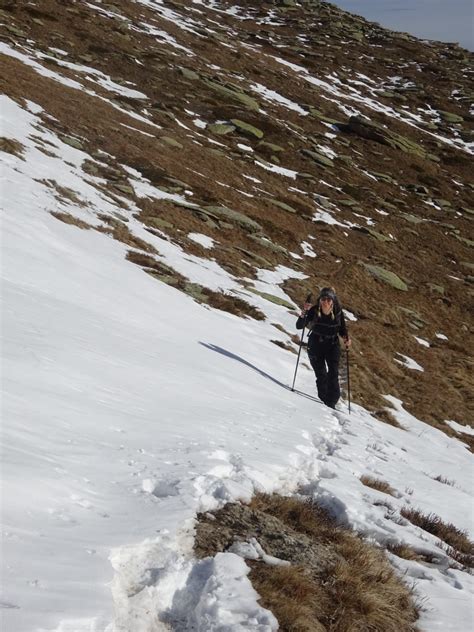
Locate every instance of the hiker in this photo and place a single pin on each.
(325, 321)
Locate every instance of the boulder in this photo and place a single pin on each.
(221, 129)
(386, 276)
(365, 128)
(247, 129)
(234, 217)
(320, 159)
(273, 299)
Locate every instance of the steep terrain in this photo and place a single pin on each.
(290, 133)
(176, 176)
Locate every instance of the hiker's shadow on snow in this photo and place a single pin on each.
(234, 356)
(267, 376)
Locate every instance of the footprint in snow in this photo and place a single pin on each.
(161, 488)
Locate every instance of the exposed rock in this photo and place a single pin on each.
(372, 233)
(282, 205)
(240, 523)
(273, 299)
(386, 276)
(221, 128)
(189, 74)
(236, 95)
(72, 142)
(247, 129)
(320, 159)
(450, 117)
(374, 131)
(222, 212)
(439, 289)
(172, 142)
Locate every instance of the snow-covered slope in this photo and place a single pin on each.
(128, 408)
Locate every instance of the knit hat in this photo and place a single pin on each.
(327, 292)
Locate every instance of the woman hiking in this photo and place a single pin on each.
(325, 321)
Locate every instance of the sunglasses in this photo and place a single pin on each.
(326, 298)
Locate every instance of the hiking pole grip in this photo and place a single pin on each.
(308, 300)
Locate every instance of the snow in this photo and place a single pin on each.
(203, 240)
(289, 173)
(275, 97)
(308, 249)
(459, 428)
(409, 362)
(128, 408)
(422, 341)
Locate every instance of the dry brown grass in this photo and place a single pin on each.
(407, 552)
(292, 595)
(444, 480)
(232, 304)
(11, 146)
(354, 589)
(404, 551)
(120, 232)
(67, 218)
(459, 545)
(378, 484)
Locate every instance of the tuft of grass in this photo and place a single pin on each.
(120, 232)
(354, 588)
(70, 219)
(457, 540)
(283, 345)
(378, 484)
(404, 551)
(232, 304)
(444, 480)
(407, 552)
(11, 146)
(292, 595)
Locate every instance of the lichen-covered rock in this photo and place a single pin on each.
(450, 117)
(434, 287)
(72, 142)
(221, 128)
(366, 128)
(372, 233)
(189, 74)
(282, 205)
(273, 299)
(386, 276)
(320, 159)
(271, 146)
(172, 142)
(247, 129)
(234, 94)
(267, 243)
(224, 213)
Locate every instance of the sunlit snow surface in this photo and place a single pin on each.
(128, 408)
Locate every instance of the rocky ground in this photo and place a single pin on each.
(291, 133)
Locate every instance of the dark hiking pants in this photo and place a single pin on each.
(324, 357)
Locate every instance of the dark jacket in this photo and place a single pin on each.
(321, 327)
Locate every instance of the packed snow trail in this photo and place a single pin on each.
(128, 408)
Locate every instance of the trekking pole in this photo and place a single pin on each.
(348, 381)
(308, 300)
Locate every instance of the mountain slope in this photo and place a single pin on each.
(131, 403)
(143, 82)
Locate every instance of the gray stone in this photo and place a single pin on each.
(386, 276)
(221, 128)
(247, 129)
